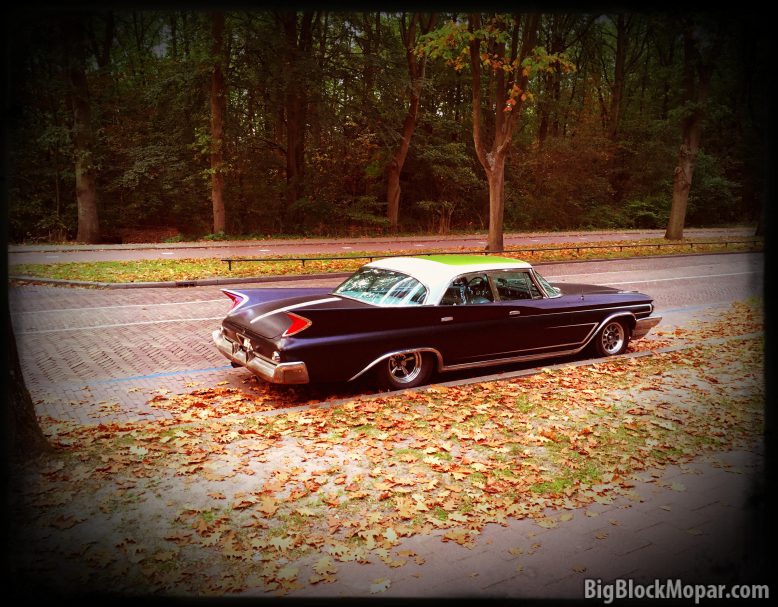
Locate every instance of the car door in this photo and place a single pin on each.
(534, 324)
(470, 322)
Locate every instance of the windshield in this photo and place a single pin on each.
(383, 288)
(551, 291)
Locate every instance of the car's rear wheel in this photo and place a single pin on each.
(612, 338)
(405, 370)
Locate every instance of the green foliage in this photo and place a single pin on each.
(368, 211)
(216, 236)
(712, 194)
(650, 213)
(149, 99)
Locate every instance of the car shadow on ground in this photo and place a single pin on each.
(285, 396)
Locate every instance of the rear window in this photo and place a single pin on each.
(383, 288)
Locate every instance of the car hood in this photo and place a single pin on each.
(575, 288)
(266, 318)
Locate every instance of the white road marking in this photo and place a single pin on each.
(172, 303)
(168, 253)
(557, 276)
(123, 324)
(346, 248)
(635, 282)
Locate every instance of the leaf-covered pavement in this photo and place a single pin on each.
(222, 500)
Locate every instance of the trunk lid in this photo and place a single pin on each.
(265, 316)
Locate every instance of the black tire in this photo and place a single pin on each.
(612, 339)
(406, 370)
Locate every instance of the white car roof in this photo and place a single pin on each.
(437, 271)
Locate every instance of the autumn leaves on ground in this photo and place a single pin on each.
(228, 498)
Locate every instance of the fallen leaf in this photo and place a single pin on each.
(379, 585)
(287, 572)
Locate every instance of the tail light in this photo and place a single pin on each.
(298, 324)
(236, 297)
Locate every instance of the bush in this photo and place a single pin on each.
(651, 212)
(216, 236)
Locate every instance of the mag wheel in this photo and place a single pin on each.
(612, 339)
(405, 370)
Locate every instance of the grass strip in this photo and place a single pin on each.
(159, 270)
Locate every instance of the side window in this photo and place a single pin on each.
(515, 285)
(455, 293)
(472, 289)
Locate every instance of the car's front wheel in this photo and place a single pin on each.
(405, 370)
(612, 338)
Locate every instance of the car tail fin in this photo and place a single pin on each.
(238, 298)
(298, 325)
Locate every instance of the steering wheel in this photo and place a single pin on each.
(477, 290)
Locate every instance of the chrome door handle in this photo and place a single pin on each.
(447, 319)
(514, 313)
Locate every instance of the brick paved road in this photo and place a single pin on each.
(86, 350)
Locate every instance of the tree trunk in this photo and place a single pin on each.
(416, 68)
(393, 193)
(617, 90)
(493, 160)
(496, 178)
(698, 72)
(24, 437)
(295, 144)
(83, 137)
(298, 46)
(682, 182)
(397, 162)
(218, 106)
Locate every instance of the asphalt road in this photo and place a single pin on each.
(85, 347)
(47, 254)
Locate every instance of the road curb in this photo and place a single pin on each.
(201, 282)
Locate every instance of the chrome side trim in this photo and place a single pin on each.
(537, 356)
(281, 373)
(583, 324)
(512, 359)
(599, 310)
(385, 356)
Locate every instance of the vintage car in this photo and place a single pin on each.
(403, 318)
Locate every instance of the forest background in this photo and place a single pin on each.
(256, 123)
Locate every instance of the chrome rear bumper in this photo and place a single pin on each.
(275, 373)
(644, 325)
